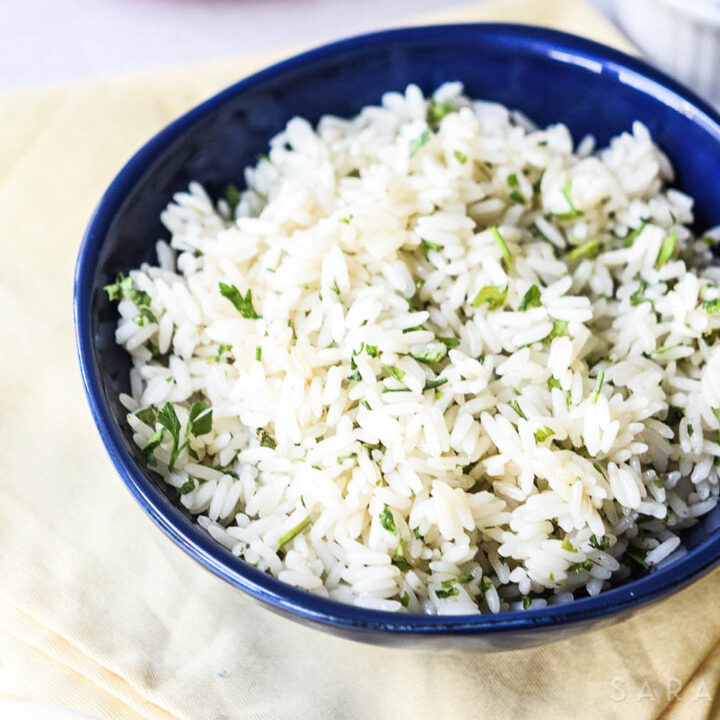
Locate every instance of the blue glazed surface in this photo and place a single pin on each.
(550, 76)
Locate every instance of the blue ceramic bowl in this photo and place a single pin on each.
(550, 76)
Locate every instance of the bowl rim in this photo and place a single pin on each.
(561, 47)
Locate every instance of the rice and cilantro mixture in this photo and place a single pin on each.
(434, 358)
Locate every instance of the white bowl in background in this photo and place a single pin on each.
(681, 36)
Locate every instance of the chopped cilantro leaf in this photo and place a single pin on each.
(266, 439)
(573, 213)
(448, 341)
(637, 559)
(516, 407)
(437, 111)
(401, 564)
(233, 199)
(568, 546)
(500, 242)
(432, 384)
(558, 330)
(243, 305)
(637, 297)
(493, 295)
(433, 354)
(199, 419)
(460, 157)
(221, 350)
(712, 306)
(187, 487)
(666, 250)
(427, 247)
(169, 420)
(531, 299)
(446, 592)
(543, 433)
(418, 142)
(395, 372)
(147, 415)
(577, 568)
(633, 236)
(602, 544)
(153, 441)
(587, 249)
(288, 536)
(387, 521)
(598, 386)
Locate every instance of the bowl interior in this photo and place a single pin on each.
(549, 76)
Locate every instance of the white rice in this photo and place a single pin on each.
(465, 391)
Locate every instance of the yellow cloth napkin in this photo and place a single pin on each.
(98, 611)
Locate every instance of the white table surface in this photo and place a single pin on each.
(45, 42)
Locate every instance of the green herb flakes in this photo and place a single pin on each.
(568, 546)
(387, 521)
(500, 242)
(446, 592)
(437, 111)
(637, 297)
(395, 372)
(153, 442)
(448, 341)
(516, 407)
(401, 564)
(222, 349)
(559, 329)
(598, 386)
(587, 249)
(169, 420)
(418, 142)
(243, 305)
(492, 295)
(266, 439)
(187, 487)
(573, 213)
(635, 558)
(666, 250)
(427, 247)
(148, 415)
(633, 236)
(232, 196)
(602, 544)
(542, 434)
(288, 536)
(432, 384)
(579, 567)
(531, 299)
(460, 157)
(432, 354)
